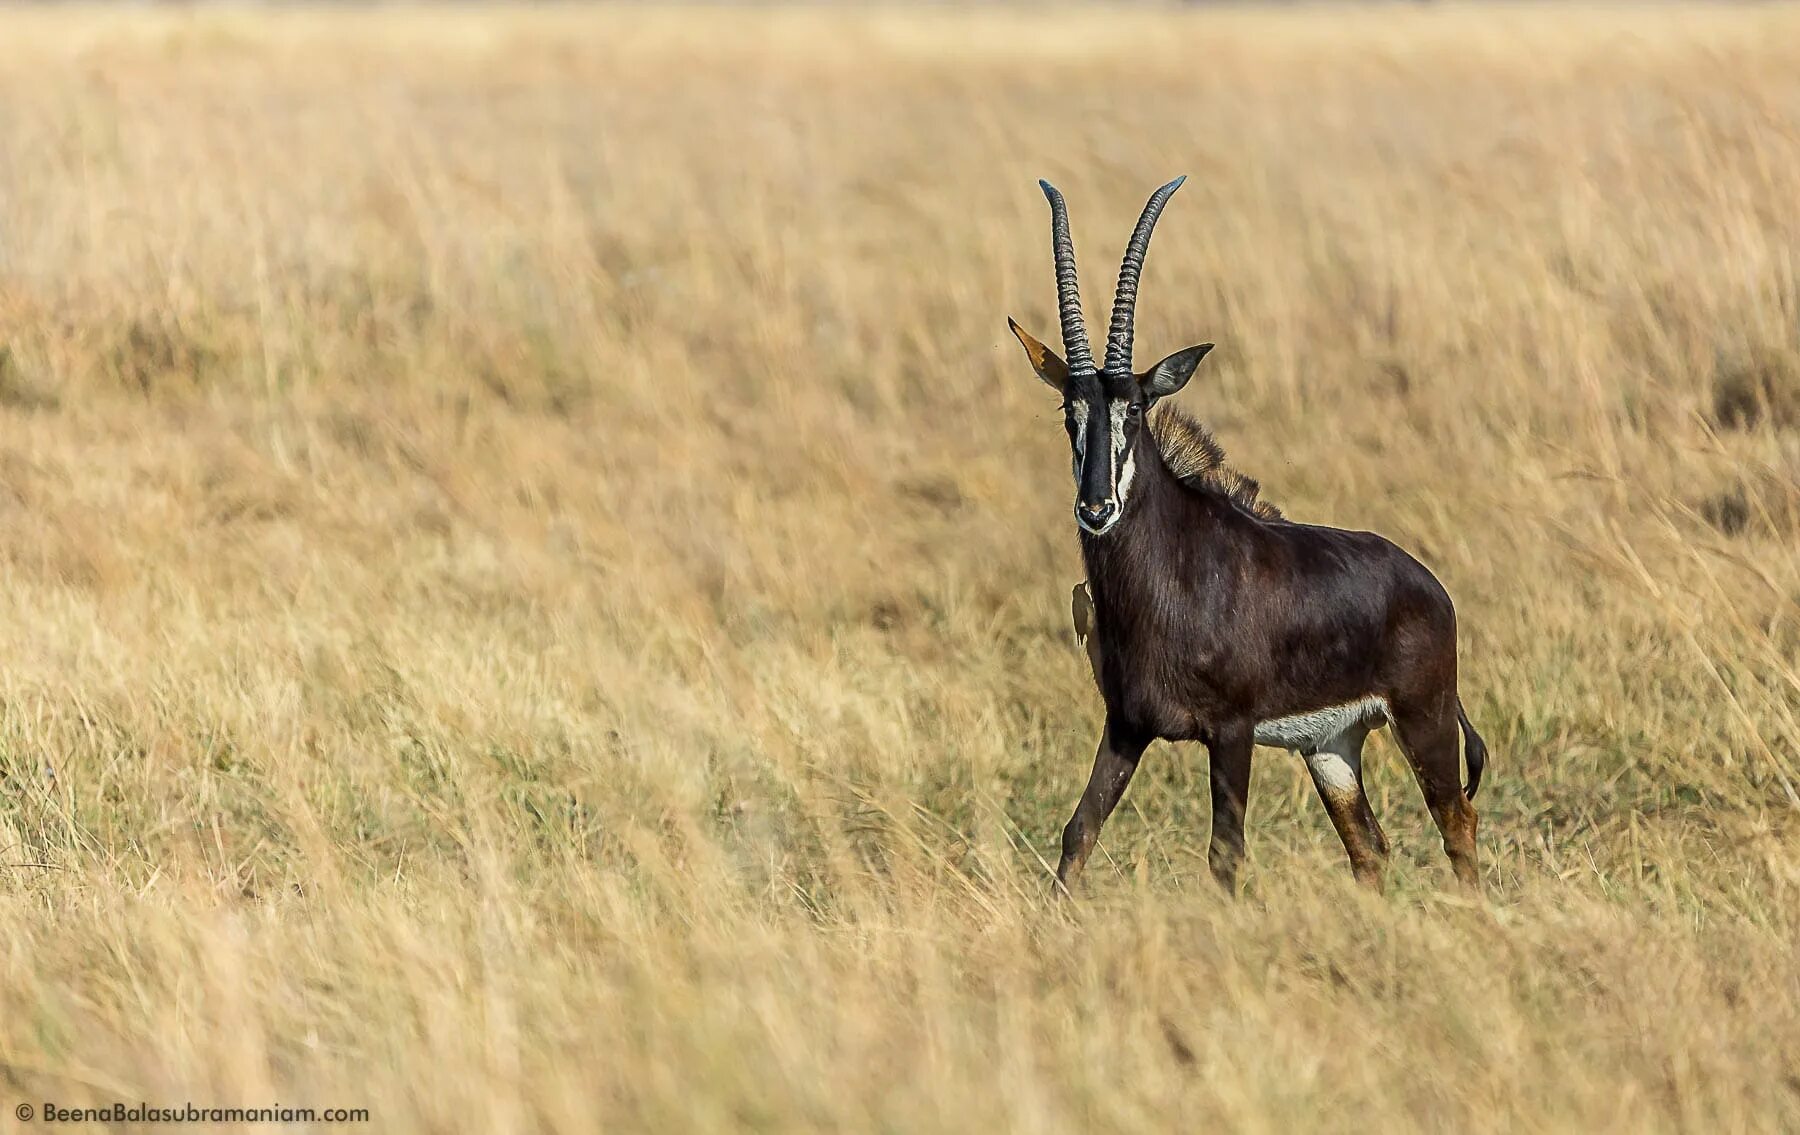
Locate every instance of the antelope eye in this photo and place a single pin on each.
(1134, 409)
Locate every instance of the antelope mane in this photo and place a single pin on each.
(1196, 458)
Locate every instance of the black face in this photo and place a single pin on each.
(1104, 415)
(1105, 421)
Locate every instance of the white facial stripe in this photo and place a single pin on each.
(1078, 415)
(1122, 469)
(1116, 407)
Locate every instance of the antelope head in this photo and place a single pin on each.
(1104, 407)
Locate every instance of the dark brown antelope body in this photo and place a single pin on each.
(1214, 619)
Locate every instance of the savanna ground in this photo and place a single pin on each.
(535, 580)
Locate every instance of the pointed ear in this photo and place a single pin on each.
(1048, 365)
(1170, 375)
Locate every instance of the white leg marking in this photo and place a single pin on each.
(1338, 763)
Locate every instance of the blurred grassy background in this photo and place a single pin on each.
(535, 579)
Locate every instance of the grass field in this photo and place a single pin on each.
(535, 579)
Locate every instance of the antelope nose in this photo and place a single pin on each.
(1095, 514)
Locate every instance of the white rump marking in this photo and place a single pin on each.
(1314, 730)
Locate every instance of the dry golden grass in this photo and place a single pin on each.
(535, 579)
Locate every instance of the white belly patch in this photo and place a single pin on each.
(1310, 731)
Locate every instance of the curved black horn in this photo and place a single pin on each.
(1068, 296)
(1118, 337)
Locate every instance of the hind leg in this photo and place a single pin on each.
(1429, 741)
(1336, 770)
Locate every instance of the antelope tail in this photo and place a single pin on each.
(1474, 750)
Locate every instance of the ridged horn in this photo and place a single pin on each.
(1068, 295)
(1118, 337)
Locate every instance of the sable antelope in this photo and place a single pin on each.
(1213, 618)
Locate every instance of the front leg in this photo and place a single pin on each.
(1229, 753)
(1116, 760)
